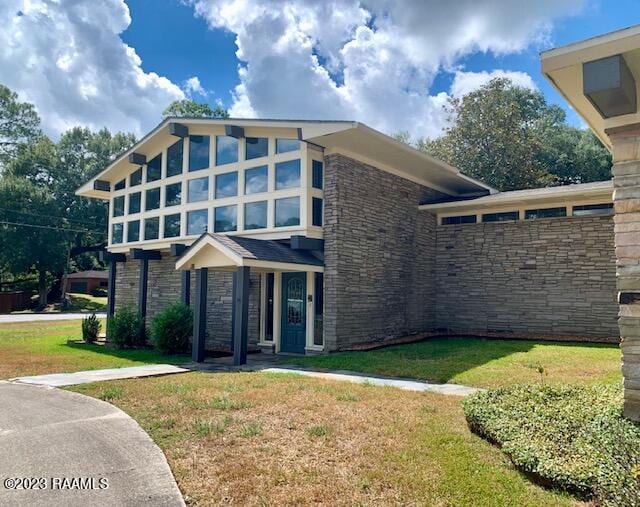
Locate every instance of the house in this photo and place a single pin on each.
(85, 282)
(317, 236)
(599, 77)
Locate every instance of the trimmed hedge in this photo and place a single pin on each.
(569, 437)
(172, 328)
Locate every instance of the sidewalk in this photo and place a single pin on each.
(36, 317)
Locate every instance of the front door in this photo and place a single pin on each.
(294, 322)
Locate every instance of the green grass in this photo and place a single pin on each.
(572, 437)
(33, 348)
(86, 303)
(482, 362)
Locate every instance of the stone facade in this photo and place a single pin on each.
(163, 289)
(379, 255)
(547, 278)
(626, 196)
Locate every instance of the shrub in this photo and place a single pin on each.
(91, 328)
(99, 292)
(571, 437)
(172, 328)
(126, 329)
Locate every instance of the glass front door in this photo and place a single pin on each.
(294, 321)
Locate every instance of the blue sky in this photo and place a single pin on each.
(392, 64)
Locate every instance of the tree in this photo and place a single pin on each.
(509, 137)
(19, 124)
(191, 109)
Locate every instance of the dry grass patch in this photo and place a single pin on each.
(298, 441)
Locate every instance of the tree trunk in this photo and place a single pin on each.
(43, 290)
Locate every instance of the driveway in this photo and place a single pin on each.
(35, 317)
(74, 446)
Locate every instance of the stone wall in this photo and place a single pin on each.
(163, 289)
(379, 255)
(547, 277)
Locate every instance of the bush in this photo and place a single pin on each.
(172, 328)
(91, 328)
(126, 329)
(99, 292)
(571, 437)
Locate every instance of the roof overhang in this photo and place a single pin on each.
(601, 191)
(210, 252)
(600, 78)
(350, 138)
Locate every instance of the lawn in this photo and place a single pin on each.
(266, 439)
(482, 362)
(34, 348)
(87, 303)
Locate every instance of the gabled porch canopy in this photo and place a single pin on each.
(227, 253)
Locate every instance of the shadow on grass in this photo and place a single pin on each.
(146, 355)
(446, 359)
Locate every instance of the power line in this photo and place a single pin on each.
(66, 229)
(51, 216)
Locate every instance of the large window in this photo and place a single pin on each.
(154, 168)
(288, 174)
(256, 180)
(459, 219)
(134, 203)
(593, 209)
(152, 228)
(197, 221)
(257, 147)
(286, 145)
(255, 215)
(198, 152)
(500, 217)
(317, 211)
(287, 212)
(116, 233)
(118, 206)
(226, 185)
(152, 199)
(226, 218)
(174, 158)
(120, 185)
(133, 231)
(172, 225)
(173, 194)
(317, 176)
(136, 177)
(532, 214)
(198, 190)
(226, 150)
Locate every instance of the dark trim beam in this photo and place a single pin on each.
(102, 185)
(137, 158)
(241, 315)
(610, 86)
(150, 255)
(200, 316)
(234, 131)
(112, 257)
(304, 243)
(77, 250)
(177, 249)
(178, 130)
(144, 256)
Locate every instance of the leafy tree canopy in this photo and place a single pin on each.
(19, 124)
(510, 138)
(191, 109)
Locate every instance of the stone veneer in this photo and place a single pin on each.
(547, 277)
(379, 255)
(164, 289)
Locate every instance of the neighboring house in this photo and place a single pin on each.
(316, 236)
(85, 282)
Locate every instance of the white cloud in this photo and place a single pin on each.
(68, 59)
(372, 61)
(193, 86)
(465, 82)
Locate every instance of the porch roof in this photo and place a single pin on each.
(224, 252)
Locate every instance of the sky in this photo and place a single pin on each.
(391, 64)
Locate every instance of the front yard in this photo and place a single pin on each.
(265, 439)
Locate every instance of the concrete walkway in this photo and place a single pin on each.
(38, 317)
(407, 385)
(75, 445)
(86, 377)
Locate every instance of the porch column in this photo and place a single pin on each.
(200, 316)
(626, 180)
(240, 315)
(112, 259)
(144, 256)
(177, 249)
